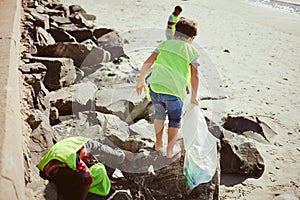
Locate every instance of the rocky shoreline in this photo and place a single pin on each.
(74, 82)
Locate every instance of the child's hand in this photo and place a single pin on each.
(140, 86)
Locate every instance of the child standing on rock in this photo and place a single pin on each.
(175, 66)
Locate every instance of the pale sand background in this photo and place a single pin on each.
(260, 75)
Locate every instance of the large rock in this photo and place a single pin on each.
(153, 176)
(117, 132)
(41, 20)
(118, 101)
(73, 99)
(105, 76)
(258, 128)
(79, 33)
(54, 12)
(96, 125)
(89, 17)
(113, 125)
(34, 74)
(79, 128)
(61, 35)
(27, 36)
(41, 98)
(143, 128)
(33, 68)
(76, 9)
(58, 7)
(239, 155)
(42, 135)
(43, 37)
(79, 20)
(99, 32)
(60, 72)
(113, 43)
(141, 110)
(80, 53)
(60, 20)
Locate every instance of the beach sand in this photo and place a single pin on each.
(259, 73)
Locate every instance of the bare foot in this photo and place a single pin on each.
(172, 151)
(158, 146)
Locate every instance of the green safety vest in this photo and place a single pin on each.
(101, 184)
(171, 71)
(174, 20)
(64, 151)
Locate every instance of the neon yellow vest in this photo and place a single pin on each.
(101, 184)
(64, 151)
(175, 19)
(171, 71)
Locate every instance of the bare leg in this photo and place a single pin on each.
(172, 136)
(159, 130)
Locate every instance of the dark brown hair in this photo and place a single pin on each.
(186, 28)
(178, 8)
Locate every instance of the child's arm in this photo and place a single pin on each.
(141, 85)
(194, 82)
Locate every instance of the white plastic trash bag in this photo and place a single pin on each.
(200, 160)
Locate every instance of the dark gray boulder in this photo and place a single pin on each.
(99, 32)
(73, 99)
(60, 72)
(113, 43)
(61, 35)
(80, 53)
(79, 33)
(239, 155)
(256, 127)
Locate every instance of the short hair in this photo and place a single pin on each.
(178, 8)
(186, 28)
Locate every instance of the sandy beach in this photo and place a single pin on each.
(255, 51)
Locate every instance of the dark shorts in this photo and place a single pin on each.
(167, 105)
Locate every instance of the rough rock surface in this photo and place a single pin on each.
(73, 99)
(240, 156)
(60, 72)
(80, 53)
(101, 105)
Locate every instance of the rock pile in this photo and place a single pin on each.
(74, 84)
